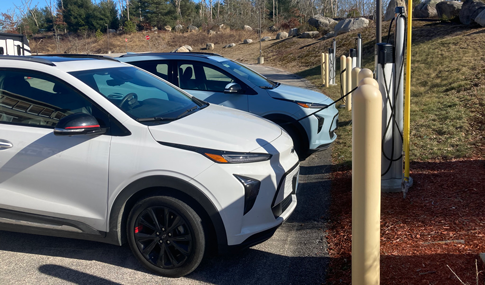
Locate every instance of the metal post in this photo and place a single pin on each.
(331, 63)
(397, 167)
(348, 100)
(107, 31)
(343, 77)
(353, 55)
(386, 68)
(359, 51)
(366, 185)
(407, 107)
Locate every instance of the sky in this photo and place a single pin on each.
(6, 5)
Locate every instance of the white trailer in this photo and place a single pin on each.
(14, 44)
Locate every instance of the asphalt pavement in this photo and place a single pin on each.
(296, 254)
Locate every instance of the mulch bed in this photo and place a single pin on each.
(440, 223)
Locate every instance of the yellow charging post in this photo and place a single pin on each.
(407, 99)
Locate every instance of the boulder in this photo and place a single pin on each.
(230, 45)
(480, 19)
(470, 10)
(391, 9)
(189, 48)
(154, 29)
(311, 34)
(347, 25)
(211, 33)
(273, 29)
(180, 49)
(282, 35)
(247, 28)
(448, 9)
(223, 27)
(329, 35)
(167, 28)
(320, 21)
(426, 9)
(209, 46)
(248, 41)
(265, 39)
(178, 28)
(192, 28)
(293, 32)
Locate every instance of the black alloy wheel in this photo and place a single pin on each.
(166, 235)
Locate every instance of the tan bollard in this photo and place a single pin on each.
(366, 185)
(364, 73)
(343, 76)
(355, 82)
(349, 83)
(327, 71)
(370, 81)
(322, 69)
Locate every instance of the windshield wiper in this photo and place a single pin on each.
(188, 111)
(154, 119)
(266, 87)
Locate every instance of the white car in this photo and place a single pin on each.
(218, 80)
(96, 149)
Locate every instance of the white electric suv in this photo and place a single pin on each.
(215, 79)
(96, 149)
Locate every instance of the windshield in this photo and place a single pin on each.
(250, 75)
(142, 96)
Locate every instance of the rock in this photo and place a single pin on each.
(448, 9)
(248, 41)
(209, 46)
(273, 29)
(211, 33)
(180, 49)
(391, 9)
(480, 19)
(154, 29)
(293, 32)
(282, 35)
(178, 28)
(329, 35)
(230, 45)
(189, 48)
(347, 25)
(223, 27)
(247, 28)
(320, 21)
(470, 10)
(264, 39)
(167, 28)
(192, 29)
(426, 9)
(311, 34)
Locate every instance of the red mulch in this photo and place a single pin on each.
(441, 222)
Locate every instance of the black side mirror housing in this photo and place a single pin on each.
(233, 88)
(78, 124)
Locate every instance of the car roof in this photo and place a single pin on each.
(131, 57)
(172, 54)
(69, 62)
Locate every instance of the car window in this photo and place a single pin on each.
(34, 98)
(199, 76)
(159, 68)
(139, 94)
(247, 73)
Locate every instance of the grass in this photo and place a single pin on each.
(448, 74)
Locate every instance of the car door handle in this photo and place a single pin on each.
(5, 144)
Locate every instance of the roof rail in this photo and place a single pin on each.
(28, 58)
(166, 53)
(95, 56)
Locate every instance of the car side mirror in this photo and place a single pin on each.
(233, 88)
(78, 124)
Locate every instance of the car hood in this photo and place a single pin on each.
(218, 127)
(292, 93)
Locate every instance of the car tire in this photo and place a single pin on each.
(166, 236)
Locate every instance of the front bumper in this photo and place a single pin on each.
(276, 199)
(321, 128)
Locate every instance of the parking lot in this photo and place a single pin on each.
(297, 253)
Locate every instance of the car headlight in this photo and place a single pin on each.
(311, 105)
(238, 157)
